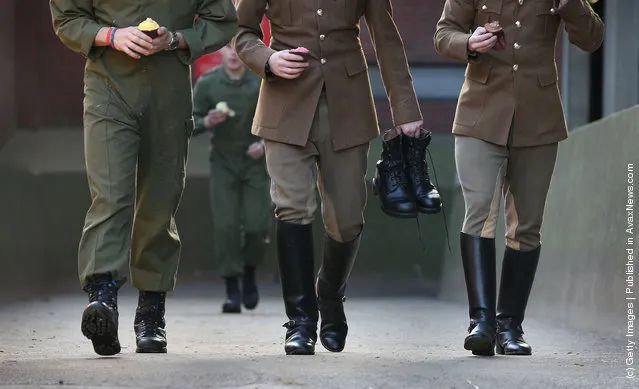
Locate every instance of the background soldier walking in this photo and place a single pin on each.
(137, 125)
(508, 123)
(224, 103)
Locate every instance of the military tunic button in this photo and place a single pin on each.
(320, 12)
(322, 37)
(521, 2)
(323, 61)
(515, 67)
(553, 11)
(483, 7)
(518, 24)
(517, 46)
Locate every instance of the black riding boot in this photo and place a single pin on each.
(391, 182)
(233, 296)
(149, 324)
(517, 277)
(295, 258)
(336, 267)
(426, 195)
(100, 317)
(478, 257)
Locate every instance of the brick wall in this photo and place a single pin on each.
(416, 20)
(7, 100)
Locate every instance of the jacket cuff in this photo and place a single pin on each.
(459, 47)
(258, 62)
(406, 111)
(196, 48)
(87, 42)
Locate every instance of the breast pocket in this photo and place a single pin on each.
(488, 11)
(279, 12)
(547, 19)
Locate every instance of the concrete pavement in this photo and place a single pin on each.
(395, 342)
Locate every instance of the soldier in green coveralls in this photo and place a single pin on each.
(137, 125)
(224, 104)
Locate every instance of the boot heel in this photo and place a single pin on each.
(499, 349)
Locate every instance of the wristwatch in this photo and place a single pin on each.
(175, 42)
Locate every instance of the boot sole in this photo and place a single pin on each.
(501, 351)
(429, 211)
(300, 352)
(480, 346)
(142, 350)
(99, 326)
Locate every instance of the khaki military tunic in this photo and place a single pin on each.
(516, 87)
(330, 30)
(137, 123)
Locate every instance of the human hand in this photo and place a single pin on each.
(481, 41)
(255, 150)
(412, 129)
(133, 42)
(161, 42)
(214, 118)
(286, 65)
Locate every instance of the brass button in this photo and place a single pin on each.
(323, 61)
(553, 11)
(483, 7)
(517, 46)
(322, 37)
(518, 24)
(515, 67)
(320, 12)
(521, 2)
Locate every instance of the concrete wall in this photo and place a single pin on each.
(580, 280)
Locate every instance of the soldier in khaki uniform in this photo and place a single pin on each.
(317, 117)
(239, 182)
(137, 125)
(508, 123)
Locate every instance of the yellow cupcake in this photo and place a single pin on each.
(149, 27)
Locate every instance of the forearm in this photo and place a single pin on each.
(248, 42)
(453, 29)
(585, 28)
(392, 61)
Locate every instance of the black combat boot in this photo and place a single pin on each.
(517, 277)
(295, 258)
(336, 267)
(100, 317)
(250, 295)
(391, 183)
(478, 257)
(233, 296)
(426, 195)
(149, 323)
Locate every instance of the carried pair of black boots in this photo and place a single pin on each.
(402, 181)
(100, 319)
(306, 299)
(249, 295)
(497, 329)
